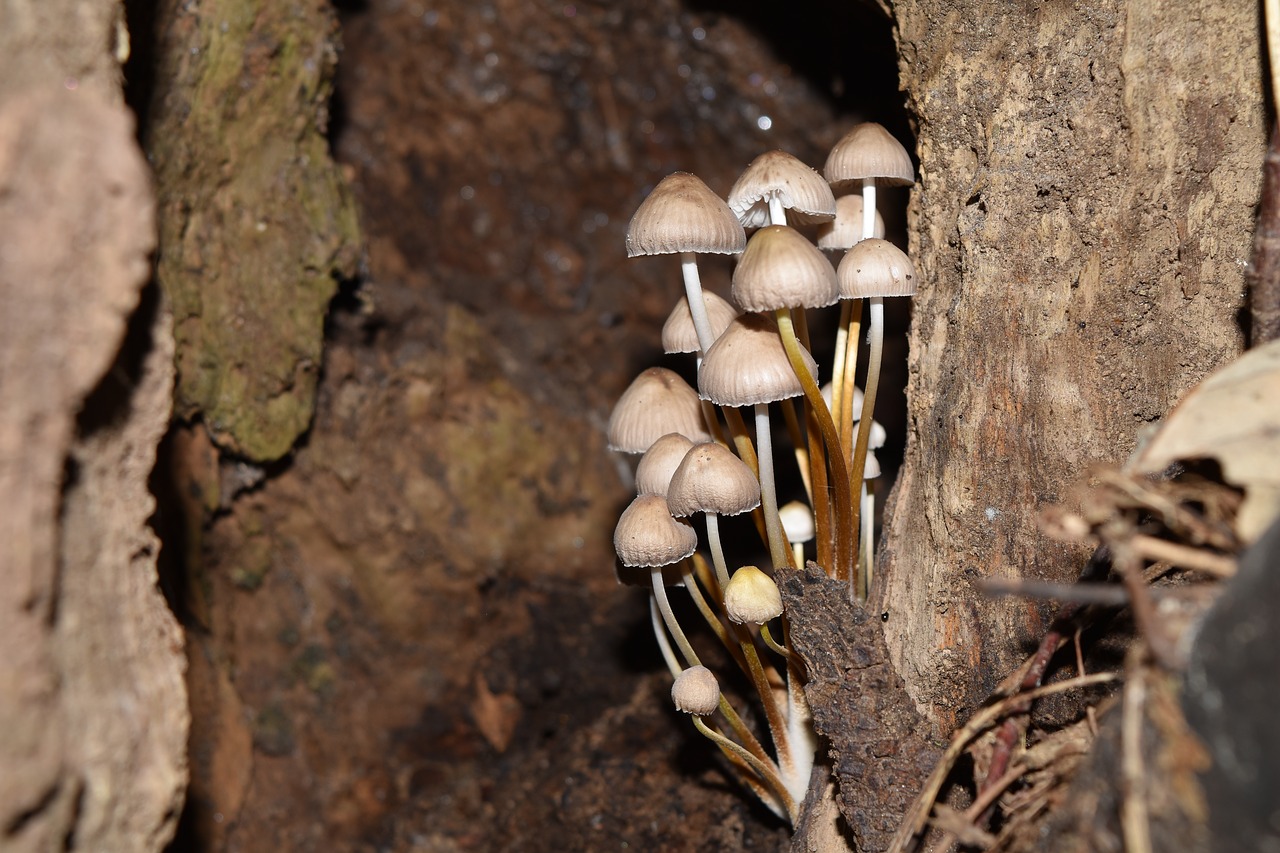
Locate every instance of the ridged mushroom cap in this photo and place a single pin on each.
(659, 462)
(876, 268)
(803, 192)
(782, 269)
(647, 535)
(678, 333)
(711, 479)
(845, 231)
(682, 214)
(696, 691)
(657, 402)
(747, 365)
(869, 151)
(797, 522)
(751, 597)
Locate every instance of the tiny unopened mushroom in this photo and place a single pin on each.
(798, 524)
(752, 597)
(696, 691)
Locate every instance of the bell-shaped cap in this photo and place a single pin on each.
(876, 268)
(782, 269)
(797, 522)
(869, 151)
(647, 535)
(657, 402)
(804, 194)
(678, 333)
(696, 691)
(751, 597)
(871, 470)
(747, 365)
(660, 461)
(682, 214)
(711, 479)
(845, 231)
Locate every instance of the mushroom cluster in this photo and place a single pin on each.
(699, 457)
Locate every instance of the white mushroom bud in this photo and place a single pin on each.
(696, 691)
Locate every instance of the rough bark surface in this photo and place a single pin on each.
(1088, 178)
(256, 225)
(879, 745)
(92, 704)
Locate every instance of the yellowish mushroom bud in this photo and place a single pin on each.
(752, 597)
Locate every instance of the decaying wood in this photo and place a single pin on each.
(878, 744)
(93, 715)
(1088, 180)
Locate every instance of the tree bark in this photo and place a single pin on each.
(93, 716)
(1088, 177)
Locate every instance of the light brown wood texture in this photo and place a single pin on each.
(1081, 225)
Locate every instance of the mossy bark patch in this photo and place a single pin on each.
(256, 225)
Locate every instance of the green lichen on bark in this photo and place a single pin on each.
(256, 223)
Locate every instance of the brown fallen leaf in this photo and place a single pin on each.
(495, 714)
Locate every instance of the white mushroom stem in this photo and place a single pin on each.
(664, 607)
(660, 634)
(717, 552)
(691, 657)
(697, 307)
(768, 495)
(800, 734)
(875, 338)
(868, 208)
(777, 213)
(868, 528)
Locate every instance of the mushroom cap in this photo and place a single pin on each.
(657, 402)
(878, 436)
(797, 522)
(682, 214)
(782, 269)
(747, 365)
(711, 479)
(845, 231)
(871, 470)
(752, 597)
(869, 151)
(647, 535)
(804, 193)
(678, 333)
(876, 268)
(659, 462)
(696, 691)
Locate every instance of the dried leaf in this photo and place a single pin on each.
(1232, 417)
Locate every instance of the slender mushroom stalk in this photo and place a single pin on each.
(874, 269)
(747, 366)
(868, 156)
(696, 692)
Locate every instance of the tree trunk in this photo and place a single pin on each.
(1088, 178)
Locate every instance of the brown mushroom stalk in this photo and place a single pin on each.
(845, 528)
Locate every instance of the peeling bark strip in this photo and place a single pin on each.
(93, 712)
(1088, 179)
(876, 736)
